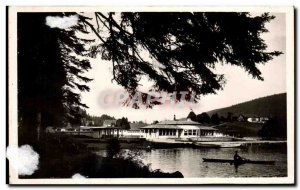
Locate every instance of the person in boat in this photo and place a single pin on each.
(237, 158)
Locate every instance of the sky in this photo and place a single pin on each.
(239, 87)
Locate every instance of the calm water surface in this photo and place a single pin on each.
(189, 161)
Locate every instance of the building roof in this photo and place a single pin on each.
(156, 126)
(186, 127)
(207, 128)
(99, 127)
(178, 122)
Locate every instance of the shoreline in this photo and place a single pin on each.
(143, 144)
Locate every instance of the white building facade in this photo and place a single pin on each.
(177, 130)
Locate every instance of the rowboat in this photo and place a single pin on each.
(230, 145)
(207, 145)
(217, 144)
(245, 161)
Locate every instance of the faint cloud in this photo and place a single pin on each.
(23, 159)
(62, 22)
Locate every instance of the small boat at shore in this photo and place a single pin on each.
(245, 161)
(230, 145)
(205, 145)
(217, 144)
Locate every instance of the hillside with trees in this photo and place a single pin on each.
(273, 107)
(269, 106)
(233, 120)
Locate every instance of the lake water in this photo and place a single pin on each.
(189, 161)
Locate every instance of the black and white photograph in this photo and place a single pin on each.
(151, 95)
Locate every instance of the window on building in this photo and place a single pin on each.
(194, 132)
(160, 132)
(185, 132)
(190, 132)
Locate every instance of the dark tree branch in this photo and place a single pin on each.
(83, 19)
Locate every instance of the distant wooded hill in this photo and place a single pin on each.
(273, 106)
(269, 106)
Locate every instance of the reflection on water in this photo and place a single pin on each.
(189, 161)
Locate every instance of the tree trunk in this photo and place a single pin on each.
(39, 123)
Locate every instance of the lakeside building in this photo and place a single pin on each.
(109, 129)
(170, 129)
(181, 129)
(257, 119)
(241, 118)
(134, 131)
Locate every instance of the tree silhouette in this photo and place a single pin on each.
(113, 147)
(123, 123)
(155, 122)
(178, 51)
(271, 129)
(203, 118)
(229, 116)
(192, 116)
(49, 75)
(215, 118)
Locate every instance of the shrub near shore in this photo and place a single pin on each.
(62, 157)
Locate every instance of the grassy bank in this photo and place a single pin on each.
(63, 156)
(244, 129)
(94, 166)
